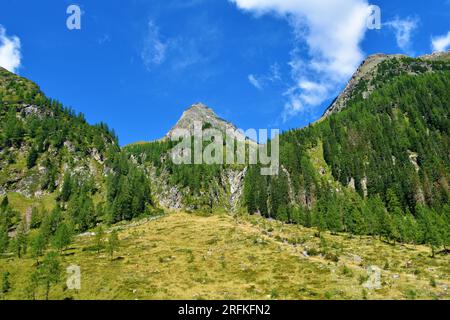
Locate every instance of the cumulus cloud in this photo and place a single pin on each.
(404, 29)
(332, 31)
(154, 49)
(10, 57)
(441, 43)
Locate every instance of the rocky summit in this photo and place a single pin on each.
(207, 118)
(363, 81)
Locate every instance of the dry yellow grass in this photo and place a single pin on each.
(188, 256)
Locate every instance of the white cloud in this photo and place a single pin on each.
(404, 29)
(441, 43)
(154, 49)
(195, 47)
(10, 57)
(332, 31)
(255, 82)
(259, 82)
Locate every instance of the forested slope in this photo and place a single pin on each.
(380, 166)
(59, 170)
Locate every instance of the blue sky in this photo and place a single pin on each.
(138, 64)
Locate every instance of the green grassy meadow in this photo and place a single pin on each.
(191, 256)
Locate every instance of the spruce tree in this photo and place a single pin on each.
(38, 244)
(99, 235)
(32, 158)
(67, 186)
(62, 237)
(49, 272)
(36, 218)
(428, 224)
(20, 242)
(6, 284)
(113, 243)
(4, 238)
(333, 217)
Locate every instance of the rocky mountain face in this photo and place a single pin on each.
(222, 192)
(207, 119)
(192, 187)
(52, 159)
(364, 80)
(41, 141)
(364, 73)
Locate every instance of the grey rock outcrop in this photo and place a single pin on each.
(208, 118)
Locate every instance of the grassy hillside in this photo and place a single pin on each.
(188, 256)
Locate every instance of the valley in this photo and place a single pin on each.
(359, 208)
(192, 256)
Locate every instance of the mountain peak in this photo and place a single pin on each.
(198, 106)
(367, 71)
(440, 55)
(200, 112)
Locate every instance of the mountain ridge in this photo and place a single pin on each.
(364, 73)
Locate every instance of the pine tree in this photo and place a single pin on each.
(393, 204)
(51, 222)
(282, 213)
(67, 186)
(49, 272)
(32, 158)
(21, 239)
(333, 217)
(13, 129)
(8, 217)
(369, 217)
(4, 238)
(113, 243)
(319, 221)
(32, 285)
(36, 218)
(63, 237)
(446, 223)
(99, 235)
(360, 227)
(4, 204)
(6, 284)
(37, 245)
(429, 228)
(411, 229)
(387, 226)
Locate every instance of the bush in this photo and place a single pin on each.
(363, 279)
(312, 252)
(411, 294)
(332, 257)
(346, 271)
(6, 285)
